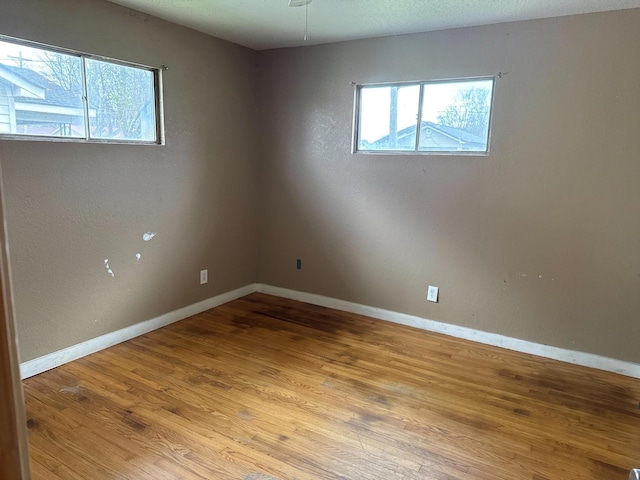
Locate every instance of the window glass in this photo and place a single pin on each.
(455, 116)
(447, 116)
(388, 117)
(121, 101)
(42, 94)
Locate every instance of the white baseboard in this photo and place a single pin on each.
(66, 355)
(55, 359)
(577, 358)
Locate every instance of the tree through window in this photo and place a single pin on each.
(50, 93)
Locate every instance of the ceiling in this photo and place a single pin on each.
(265, 24)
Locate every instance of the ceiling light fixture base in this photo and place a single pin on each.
(299, 3)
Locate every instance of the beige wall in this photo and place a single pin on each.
(70, 206)
(539, 241)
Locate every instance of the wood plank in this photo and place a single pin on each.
(269, 388)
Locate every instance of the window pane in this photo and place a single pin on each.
(388, 117)
(121, 102)
(40, 92)
(455, 116)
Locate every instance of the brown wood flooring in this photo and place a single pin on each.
(264, 388)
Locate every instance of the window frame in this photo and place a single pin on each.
(469, 153)
(157, 89)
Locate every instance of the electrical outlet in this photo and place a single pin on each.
(204, 276)
(432, 294)
(299, 264)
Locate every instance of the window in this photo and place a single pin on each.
(451, 116)
(48, 93)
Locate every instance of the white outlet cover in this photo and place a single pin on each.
(432, 294)
(204, 277)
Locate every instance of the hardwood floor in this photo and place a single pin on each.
(263, 388)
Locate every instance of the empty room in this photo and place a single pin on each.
(320, 239)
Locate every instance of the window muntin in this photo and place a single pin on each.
(46, 93)
(450, 116)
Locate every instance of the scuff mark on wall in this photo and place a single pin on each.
(523, 274)
(138, 257)
(106, 265)
(148, 236)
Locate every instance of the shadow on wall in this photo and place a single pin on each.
(517, 241)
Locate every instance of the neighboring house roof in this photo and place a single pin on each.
(456, 133)
(15, 81)
(48, 93)
(408, 135)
